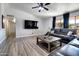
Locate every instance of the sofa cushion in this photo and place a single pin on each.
(75, 42)
(62, 33)
(57, 31)
(69, 50)
(65, 31)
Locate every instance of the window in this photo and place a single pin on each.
(72, 22)
(77, 24)
(77, 20)
(59, 23)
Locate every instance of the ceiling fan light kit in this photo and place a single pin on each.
(41, 6)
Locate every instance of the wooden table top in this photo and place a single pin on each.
(48, 39)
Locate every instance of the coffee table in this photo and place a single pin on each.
(48, 40)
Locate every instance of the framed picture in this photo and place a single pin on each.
(2, 21)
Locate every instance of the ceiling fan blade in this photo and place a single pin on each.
(41, 4)
(47, 3)
(35, 7)
(46, 8)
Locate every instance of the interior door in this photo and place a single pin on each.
(10, 26)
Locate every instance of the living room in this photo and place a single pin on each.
(53, 19)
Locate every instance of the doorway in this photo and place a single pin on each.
(10, 25)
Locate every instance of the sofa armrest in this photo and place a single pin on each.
(75, 42)
(67, 50)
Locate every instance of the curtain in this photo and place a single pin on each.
(53, 23)
(66, 20)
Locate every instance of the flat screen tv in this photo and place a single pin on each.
(29, 24)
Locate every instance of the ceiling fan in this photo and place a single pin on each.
(41, 6)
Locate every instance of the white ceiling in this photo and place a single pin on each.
(54, 8)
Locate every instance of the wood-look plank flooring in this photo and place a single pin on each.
(25, 46)
(21, 47)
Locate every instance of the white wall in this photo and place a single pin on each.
(0, 16)
(44, 24)
(47, 24)
(2, 31)
(20, 17)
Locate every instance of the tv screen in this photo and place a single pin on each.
(29, 24)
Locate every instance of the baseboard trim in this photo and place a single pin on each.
(19, 36)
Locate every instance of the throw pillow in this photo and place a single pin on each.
(69, 33)
(52, 31)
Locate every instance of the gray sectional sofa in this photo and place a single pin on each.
(62, 33)
(70, 49)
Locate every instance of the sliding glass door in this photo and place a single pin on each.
(77, 24)
(59, 23)
(74, 23)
